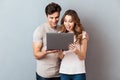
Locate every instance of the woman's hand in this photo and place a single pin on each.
(73, 47)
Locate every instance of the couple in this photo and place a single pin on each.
(50, 63)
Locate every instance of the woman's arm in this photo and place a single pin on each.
(83, 48)
(61, 54)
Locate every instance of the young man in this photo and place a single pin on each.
(47, 61)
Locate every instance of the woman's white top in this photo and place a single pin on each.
(71, 63)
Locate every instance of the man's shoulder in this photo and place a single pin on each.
(39, 29)
(41, 26)
(58, 27)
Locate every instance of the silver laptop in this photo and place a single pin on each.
(59, 41)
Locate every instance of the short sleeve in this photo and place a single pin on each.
(38, 34)
(84, 34)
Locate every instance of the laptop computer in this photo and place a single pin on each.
(59, 41)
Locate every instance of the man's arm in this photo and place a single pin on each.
(38, 54)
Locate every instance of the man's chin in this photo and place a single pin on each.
(54, 25)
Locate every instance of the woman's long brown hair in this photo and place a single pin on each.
(78, 28)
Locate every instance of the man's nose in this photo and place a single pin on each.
(54, 20)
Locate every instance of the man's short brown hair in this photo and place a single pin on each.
(52, 7)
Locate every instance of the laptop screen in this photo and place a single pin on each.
(59, 41)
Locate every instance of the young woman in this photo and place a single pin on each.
(73, 60)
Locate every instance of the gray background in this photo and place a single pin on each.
(19, 18)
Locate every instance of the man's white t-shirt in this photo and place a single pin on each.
(49, 65)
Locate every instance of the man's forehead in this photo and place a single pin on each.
(56, 14)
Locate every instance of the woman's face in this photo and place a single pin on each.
(68, 23)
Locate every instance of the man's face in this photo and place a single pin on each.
(53, 19)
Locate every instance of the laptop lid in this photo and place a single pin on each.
(59, 41)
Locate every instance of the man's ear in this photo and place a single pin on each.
(46, 15)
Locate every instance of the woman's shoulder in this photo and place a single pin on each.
(85, 35)
(84, 32)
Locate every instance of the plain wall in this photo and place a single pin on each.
(19, 18)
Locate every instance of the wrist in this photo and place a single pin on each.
(76, 52)
(44, 52)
